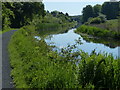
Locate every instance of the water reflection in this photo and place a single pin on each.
(62, 40)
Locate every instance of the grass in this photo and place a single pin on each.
(112, 25)
(98, 32)
(7, 30)
(35, 65)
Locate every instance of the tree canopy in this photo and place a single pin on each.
(18, 14)
(87, 12)
(110, 9)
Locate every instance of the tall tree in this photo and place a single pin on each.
(87, 12)
(97, 10)
(23, 12)
(6, 15)
(111, 9)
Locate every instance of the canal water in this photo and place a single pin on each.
(70, 38)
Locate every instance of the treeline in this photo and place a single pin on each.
(18, 14)
(110, 10)
(55, 20)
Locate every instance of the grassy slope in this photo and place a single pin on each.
(35, 65)
(98, 32)
(109, 25)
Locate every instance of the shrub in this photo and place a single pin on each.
(99, 71)
(102, 17)
(97, 32)
(96, 20)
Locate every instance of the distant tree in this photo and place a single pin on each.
(102, 17)
(87, 12)
(55, 13)
(67, 14)
(97, 10)
(61, 13)
(111, 9)
(47, 11)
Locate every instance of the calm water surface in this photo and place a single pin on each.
(69, 38)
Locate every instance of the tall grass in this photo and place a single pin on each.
(95, 31)
(35, 65)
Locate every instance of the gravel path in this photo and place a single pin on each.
(6, 69)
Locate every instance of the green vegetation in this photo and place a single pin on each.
(108, 42)
(101, 20)
(96, 20)
(57, 22)
(109, 9)
(8, 29)
(95, 31)
(16, 15)
(87, 13)
(35, 65)
(112, 25)
(97, 71)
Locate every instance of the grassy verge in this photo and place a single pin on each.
(36, 66)
(98, 32)
(9, 29)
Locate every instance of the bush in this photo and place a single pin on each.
(97, 32)
(98, 71)
(102, 17)
(96, 20)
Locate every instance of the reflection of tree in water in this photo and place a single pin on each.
(107, 42)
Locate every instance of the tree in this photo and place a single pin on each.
(23, 12)
(87, 12)
(97, 10)
(67, 14)
(6, 15)
(54, 13)
(111, 9)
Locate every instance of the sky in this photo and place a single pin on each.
(72, 7)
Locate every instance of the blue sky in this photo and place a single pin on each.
(72, 8)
